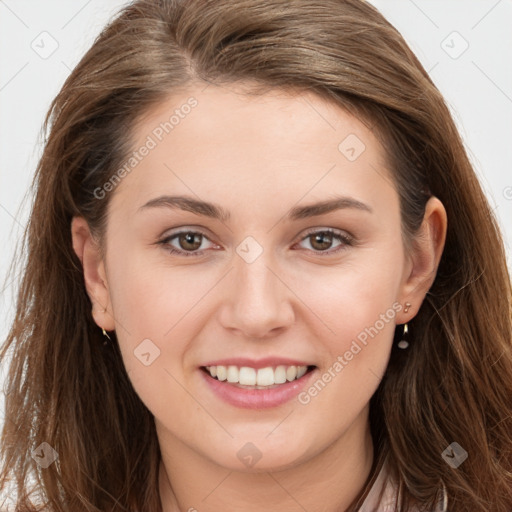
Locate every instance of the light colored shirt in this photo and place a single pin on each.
(384, 485)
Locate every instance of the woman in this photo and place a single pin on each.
(261, 275)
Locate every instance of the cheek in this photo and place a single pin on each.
(157, 311)
(360, 309)
(150, 299)
(355, 296)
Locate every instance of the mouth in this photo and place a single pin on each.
(246, 377)
(257, 388)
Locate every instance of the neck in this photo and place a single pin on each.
(330, 481)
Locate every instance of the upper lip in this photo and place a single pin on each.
(259, 363)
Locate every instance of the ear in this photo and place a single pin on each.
(423, 258)
(88, 252)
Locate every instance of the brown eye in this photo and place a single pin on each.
(190, 241)
(322, 240)
(186, 243)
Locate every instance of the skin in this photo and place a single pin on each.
(257, 157)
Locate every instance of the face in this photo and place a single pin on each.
(256, 286)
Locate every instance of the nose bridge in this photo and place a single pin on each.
(258, 301)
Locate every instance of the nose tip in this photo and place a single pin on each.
(257, 303)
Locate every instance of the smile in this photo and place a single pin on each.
(265, 387)
(260, 378)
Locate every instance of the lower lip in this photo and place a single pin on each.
(247, 398)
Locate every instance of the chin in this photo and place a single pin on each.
(260, 457)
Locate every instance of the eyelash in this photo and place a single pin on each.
(346, 239)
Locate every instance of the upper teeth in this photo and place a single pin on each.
(248, 376)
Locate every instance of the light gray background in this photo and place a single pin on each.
(476, 81)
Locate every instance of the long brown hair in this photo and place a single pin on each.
(453, 384)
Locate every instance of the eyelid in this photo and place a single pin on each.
(338, 232)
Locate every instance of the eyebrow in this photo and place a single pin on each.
(214, 211)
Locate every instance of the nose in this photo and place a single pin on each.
(257, 302)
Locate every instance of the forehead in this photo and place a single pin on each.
(205, 140)
(279, 113)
